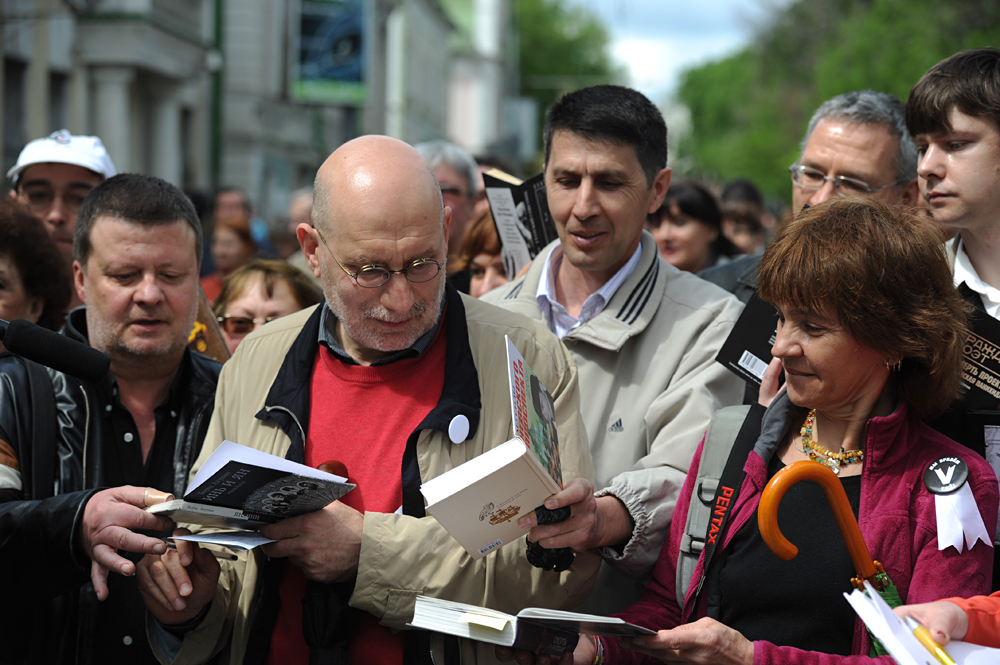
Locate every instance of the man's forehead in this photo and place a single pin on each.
(110, 232)
(858, 145)
(565, 141)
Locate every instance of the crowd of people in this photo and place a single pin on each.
(377, 338)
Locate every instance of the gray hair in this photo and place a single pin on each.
(868, 107)
(443, 152)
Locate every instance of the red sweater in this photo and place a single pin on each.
(361, 416)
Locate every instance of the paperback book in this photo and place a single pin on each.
(521, 215)
(244, 488)
(479, 502)
(533, 629)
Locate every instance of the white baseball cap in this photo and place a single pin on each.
(63, 148)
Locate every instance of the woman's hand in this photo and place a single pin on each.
(769, 387)
(705, 642)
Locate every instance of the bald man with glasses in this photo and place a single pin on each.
(399, 378)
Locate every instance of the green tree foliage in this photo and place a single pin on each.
(563, 47)
(750, 111)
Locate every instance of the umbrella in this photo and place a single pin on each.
(866, 567)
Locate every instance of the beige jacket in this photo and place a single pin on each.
(403, 556)
(649, 383)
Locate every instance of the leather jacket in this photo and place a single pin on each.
(59, 440)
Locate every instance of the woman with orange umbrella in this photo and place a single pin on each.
(870, 333)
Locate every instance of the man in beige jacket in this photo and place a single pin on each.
(643, 334)
(400, 378)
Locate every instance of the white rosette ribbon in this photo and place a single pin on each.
(959, 522)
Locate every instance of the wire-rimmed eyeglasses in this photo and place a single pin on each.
(374, 276)
(807, 177)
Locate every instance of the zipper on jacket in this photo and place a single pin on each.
(86, 432)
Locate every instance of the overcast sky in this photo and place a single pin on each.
(657, 39)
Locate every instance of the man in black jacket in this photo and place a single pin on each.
(136, 257)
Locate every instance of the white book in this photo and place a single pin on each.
(899, 641)
(479, 502)
(533, 629)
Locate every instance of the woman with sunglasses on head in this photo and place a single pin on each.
(258, 292)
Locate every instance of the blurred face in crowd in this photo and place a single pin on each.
(959, 172)
(384, 211)
(54, 192)
(599, 199)
(230, 203)
(140, 285)
(299, 212)
(684, 242)
(487, 273)
(15, 303)
(253, 308)
(743, 235)
(228, 250)
(862, 152)
(456, 195)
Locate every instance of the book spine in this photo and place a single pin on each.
(538, 469)
(543, 639)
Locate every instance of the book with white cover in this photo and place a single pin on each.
(479, 502)
(533, 629)
(243, 488)
(899, 641)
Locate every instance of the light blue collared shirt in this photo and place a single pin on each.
(561, 322)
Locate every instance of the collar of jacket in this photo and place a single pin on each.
(632, 307)
(748, 277)
(198, 373)
(287, 401)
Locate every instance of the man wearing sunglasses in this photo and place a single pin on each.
(399, 378)
(856, 145)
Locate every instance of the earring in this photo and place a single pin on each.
(893, 367)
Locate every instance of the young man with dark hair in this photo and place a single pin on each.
(953, 114)
(136, 270)
(643, 334)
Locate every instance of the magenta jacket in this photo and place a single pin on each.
(896, 516)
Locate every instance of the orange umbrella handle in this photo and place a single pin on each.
(767, 514)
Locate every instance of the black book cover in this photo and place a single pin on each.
(522, 219)
(747, 350)
(256, 489)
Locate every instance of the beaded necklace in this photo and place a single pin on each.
(818, 453)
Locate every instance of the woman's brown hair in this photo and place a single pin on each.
(883, 272)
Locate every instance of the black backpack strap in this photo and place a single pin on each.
(728, 490)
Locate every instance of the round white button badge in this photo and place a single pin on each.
(458, 429)
(128, 437)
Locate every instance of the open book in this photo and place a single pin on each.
(521, 216)
(533, 629)
(899, 641)
(243, 488)
(479, 502)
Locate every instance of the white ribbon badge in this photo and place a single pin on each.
(959, 521)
